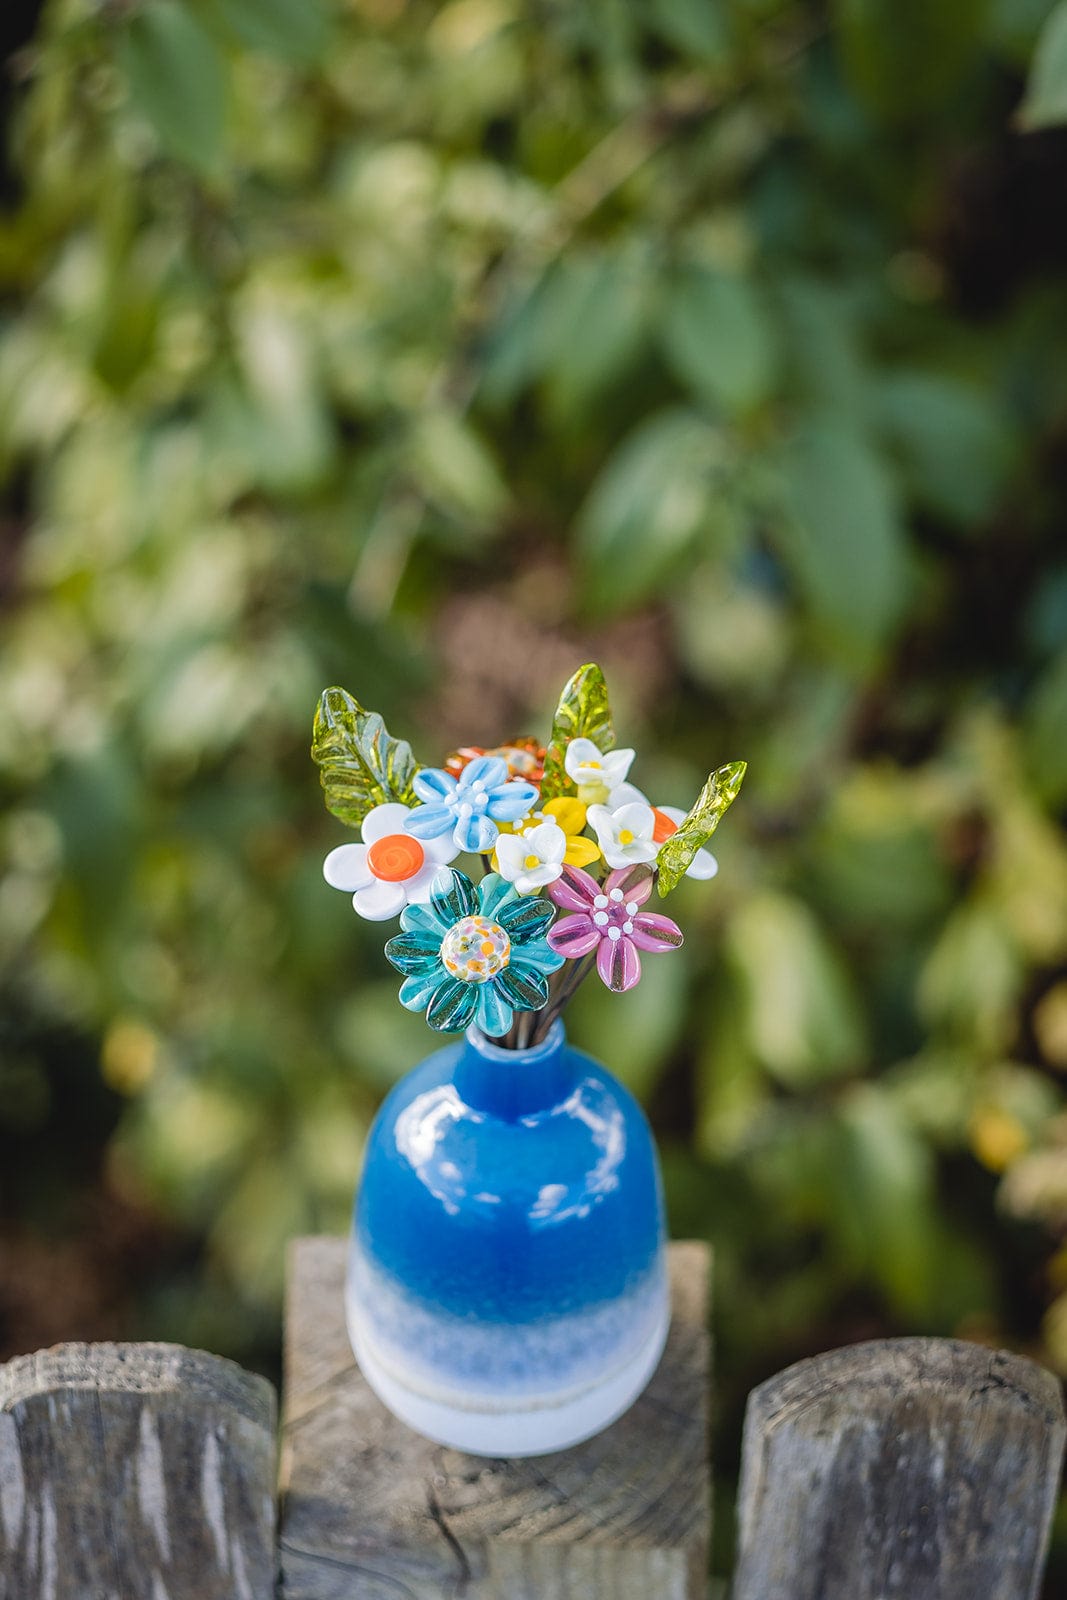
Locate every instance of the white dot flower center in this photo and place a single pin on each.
(475, 950)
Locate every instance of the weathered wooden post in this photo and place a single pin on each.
(902, 1469)
(371, 1511)
(135, 1472)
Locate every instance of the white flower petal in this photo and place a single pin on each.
(547, 840)
(635, 818)
(628, 855)
(417, 887)
(383, 820)
(626, 794)
(617, 764)
(381, 901)
(346, 868)
(537, 877)
(703, 865)
(441, 850)
(511, 852)
(580, 753)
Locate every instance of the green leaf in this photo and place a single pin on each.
(717, 339)
(714, 800)
(1045, 102)
(363, 766)
(843, 535)
(648, 507)
(954, 441)
(583, 713)
(903, 57)
(179, 80)
(804, 1022)
(296, 30)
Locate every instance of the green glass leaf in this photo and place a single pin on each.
(363, 766)
(714, 800)
(583, 713)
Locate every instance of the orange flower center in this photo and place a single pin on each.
(664, 826)
(396, 857)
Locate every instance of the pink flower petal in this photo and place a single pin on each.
(618, 964)
(635, 882)
(574, 890)
(574, 936)
(655, 933)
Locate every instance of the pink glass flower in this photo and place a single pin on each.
(608, 918)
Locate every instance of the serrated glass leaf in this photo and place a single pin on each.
(583, 712)
(714, 800)
(362, 765)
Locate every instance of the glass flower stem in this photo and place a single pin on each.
(572, 979)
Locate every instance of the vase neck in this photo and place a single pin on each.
(514, 1083)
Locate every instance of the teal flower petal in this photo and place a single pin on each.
(453, 896)
(493, 893)
(494, 1011)
(414, 952)
(416, 991)
(453, 1006)
(522, 987)
(526, 918)
(423, 919)
(538, 954)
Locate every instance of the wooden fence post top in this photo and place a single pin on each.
(151, 1368)
(900, 1469)
(372, 1511)
(144, 1471)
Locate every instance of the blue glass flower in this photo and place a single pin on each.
(470, 805)
(474, 954)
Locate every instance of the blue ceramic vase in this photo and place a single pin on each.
(507, 1288)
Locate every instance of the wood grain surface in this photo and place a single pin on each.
(372, 1511)
(135, 1472)
(901, 1469)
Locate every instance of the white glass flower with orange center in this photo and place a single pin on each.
(391, 868)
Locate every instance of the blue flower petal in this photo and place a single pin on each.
(415, 991)
(434, 784)
(490, 770)
(423, 918)
(511, 801)
(495, 892)
(452, 896)
(428, 822)
(523, 987)
(494, 1011)
(526, 918)
(476, 833)
(453, 1006)
(538, 954)
(414, 952)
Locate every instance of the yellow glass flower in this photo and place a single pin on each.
(567, 814)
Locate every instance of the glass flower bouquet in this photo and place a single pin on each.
(506, 1289)
(561, 821)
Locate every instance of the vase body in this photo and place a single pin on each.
(506, 1290)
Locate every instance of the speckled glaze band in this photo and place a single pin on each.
(507, 1289)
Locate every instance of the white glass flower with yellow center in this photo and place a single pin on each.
(597, 773)
(627, 836)
(533, 858)
(391, 868)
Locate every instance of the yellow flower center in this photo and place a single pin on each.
(531, 862)
(625, 836)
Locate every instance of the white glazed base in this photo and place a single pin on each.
(532, 1428)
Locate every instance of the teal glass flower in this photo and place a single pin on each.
(474, 954)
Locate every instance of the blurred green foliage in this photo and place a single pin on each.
(434, 349)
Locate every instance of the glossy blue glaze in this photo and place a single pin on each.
(509, 1231)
